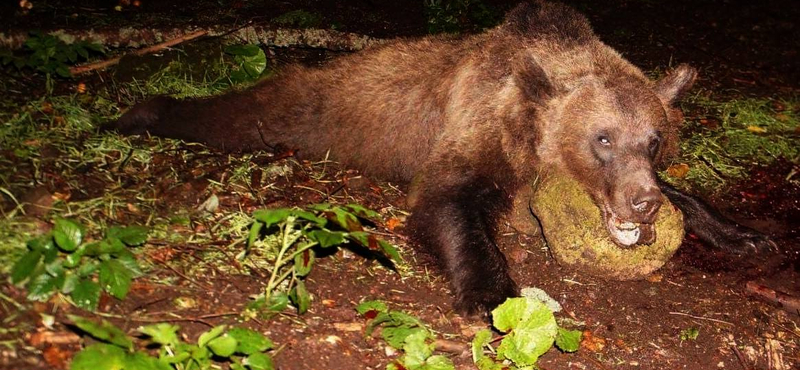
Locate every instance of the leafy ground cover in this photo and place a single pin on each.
(203, 273)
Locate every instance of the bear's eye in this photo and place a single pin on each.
(653, 147)
(604, 140)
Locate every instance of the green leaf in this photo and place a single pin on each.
(300, 297)
(271, 216)
(344, 219)
(255, 231)
(417, 349)
(568, 340)
(390, 250)
(99, 356)
(70, 282)
(255, 65)
(211, 334)
(259, 361)
(141, 361)
(532, 330)
(250, 341)
(482, 339)
(362, 211)
(438, 362)
(68, 234)
(303, 262)
(86, 295)
(130, 235)
(42, 287)
(74, 259)
(365, 308)
(46, 245)
(115, 278)
(327, 238)
(162, 333)
(88, 268)
(310, 216)
(103, 330)
(223, 346)
(396, 336)
(128, 259)
(25, 266)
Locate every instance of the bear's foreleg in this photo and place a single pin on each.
(703, 221)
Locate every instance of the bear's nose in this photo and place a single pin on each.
(647, 201)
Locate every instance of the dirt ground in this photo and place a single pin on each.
(742, 48)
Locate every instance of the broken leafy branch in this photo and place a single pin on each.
(293, 236)
(241, 348)
(62, 261)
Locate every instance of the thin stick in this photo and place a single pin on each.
(701, 318)
(103, 64)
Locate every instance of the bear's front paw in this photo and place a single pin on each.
(481, 299)
(743, 240)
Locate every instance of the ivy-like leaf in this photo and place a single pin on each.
(43, 286)
(371, 308)
(362, 211)
(327, 238)
(103, 330)
(482, 338)
(211, 334)
(568, 340)
(161, 333)
(223, 346)
(115, 278)
(130, 235)
(250, 341)
(25, 266)
(99, 356)
(303, 262)
(255, 231)
(141, 361)
(259, 361)
(271, 216)
(300, 297)
(68, 234)
(310, 216)
(86, 295)
(390, 251)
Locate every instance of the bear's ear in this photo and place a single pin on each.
(675, 84)
(531, 78)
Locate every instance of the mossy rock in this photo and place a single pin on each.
(577, 236)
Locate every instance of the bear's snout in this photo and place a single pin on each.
(646, 202)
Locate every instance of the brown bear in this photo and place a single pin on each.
(471, 121)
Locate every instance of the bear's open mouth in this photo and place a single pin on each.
(627, 233)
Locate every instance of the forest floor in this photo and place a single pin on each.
(694, 313)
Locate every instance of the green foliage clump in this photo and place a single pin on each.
(405, 333)
(736, 136)
(62, 261)
(454, 16)
(530, 330)
(299, 18)
(50, 55)
(240, 348)
(291, 236)
(249, 60)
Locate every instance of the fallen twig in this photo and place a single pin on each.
(103, 64)
(784, 300)
(701, 318)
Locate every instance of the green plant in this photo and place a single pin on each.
(61, 261)
(50, 55)
(249, 60)
(241, 348)
(689, 334)
(530, 330)
(292, 246)
(299, 18)
(405, 333)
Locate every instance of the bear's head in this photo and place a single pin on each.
(611, 131)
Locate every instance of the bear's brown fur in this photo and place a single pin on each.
(470, 120)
